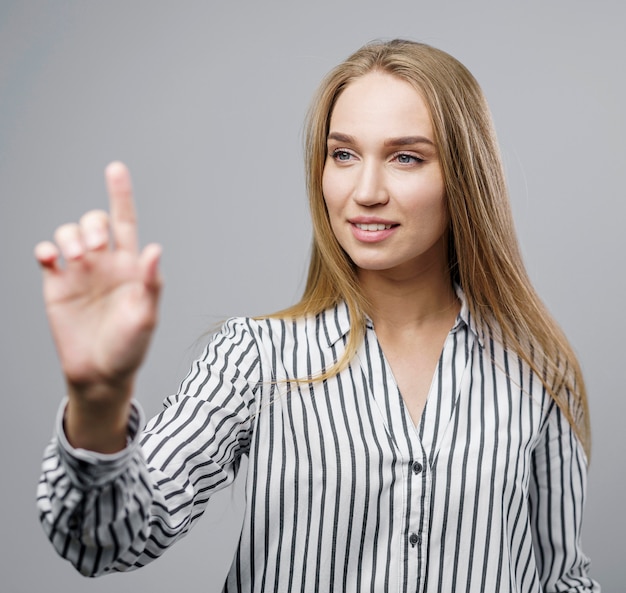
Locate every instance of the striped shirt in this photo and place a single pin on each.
(344, 492)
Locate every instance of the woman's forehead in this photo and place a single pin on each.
(381, 103)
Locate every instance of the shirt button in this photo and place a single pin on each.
(414, 539)
(417, 467)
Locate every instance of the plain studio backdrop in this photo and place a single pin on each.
(205, 102)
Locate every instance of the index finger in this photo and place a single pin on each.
(123, 217)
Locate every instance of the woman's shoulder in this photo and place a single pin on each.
(327, 325)
(283, 330)
(281, 345)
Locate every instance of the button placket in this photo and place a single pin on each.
(418, 482)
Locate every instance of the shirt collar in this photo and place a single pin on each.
(336, 321)
(466, 318)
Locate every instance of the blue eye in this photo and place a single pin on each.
(342, 155)
(407, 159)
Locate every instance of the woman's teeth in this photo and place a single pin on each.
(373, 226)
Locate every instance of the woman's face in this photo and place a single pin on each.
(382, 179)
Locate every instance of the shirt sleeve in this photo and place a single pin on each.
(118, 512)
(558, 484)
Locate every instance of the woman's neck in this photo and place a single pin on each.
(409, 302)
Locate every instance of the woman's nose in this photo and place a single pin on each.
(370, 189)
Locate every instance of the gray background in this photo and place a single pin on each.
(205, 102)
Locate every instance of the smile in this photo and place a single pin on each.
(373, 226)
(373, 232)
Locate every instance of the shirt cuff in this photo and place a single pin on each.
(90, 469)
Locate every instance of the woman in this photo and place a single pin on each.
(416, 422)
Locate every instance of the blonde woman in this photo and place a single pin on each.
(417, 422)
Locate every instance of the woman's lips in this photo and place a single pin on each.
(374, 226)
(372, 232)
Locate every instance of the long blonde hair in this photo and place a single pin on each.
(484, 256)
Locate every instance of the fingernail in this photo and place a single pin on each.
(73, 250)
(94, 240)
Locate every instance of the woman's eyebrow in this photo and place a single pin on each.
(407, 140)
(339, 137)
(400, 141)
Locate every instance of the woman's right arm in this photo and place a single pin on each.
(115, 512)
(111, 496)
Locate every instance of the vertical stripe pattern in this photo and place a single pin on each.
(344, 492)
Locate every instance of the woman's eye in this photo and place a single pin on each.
(407, 159)
(342, 155)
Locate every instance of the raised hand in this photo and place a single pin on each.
(102, 305)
